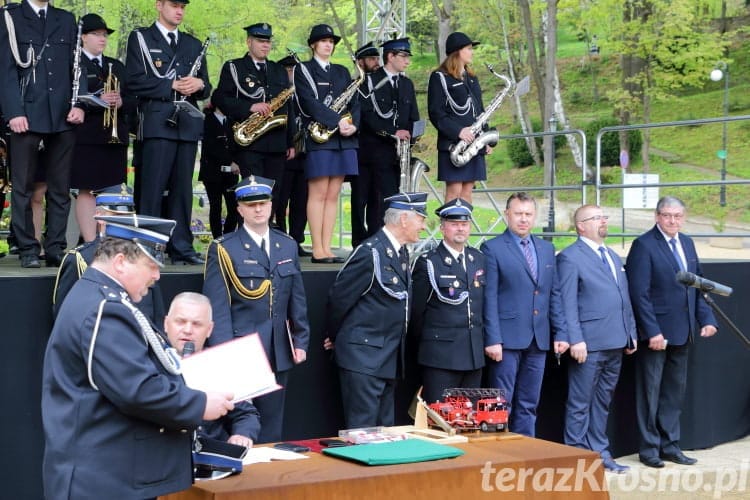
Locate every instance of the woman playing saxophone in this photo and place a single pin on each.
(454, 100)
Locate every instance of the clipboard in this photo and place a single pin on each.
(239, 366)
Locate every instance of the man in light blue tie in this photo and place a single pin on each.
(666, 313)
(600, 324)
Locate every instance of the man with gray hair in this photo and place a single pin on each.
(666, 313)
(368, 307)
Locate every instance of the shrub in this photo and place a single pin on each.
(518, 151)
(610, 142)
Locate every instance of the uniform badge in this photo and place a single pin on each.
(403, 266)
(250, 83)
(277, 245)
(157, 63)
(394, 280)
(247, 247)
(471, 258)
(456, 283)
(451, 291)
(448, 261)
(476, 284)
(389, 252)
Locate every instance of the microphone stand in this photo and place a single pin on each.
(726, 319)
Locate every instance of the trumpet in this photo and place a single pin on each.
(110, 114)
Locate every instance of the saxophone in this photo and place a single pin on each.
(246, 131)
(411, 168)
(318, 132)
(462, 152)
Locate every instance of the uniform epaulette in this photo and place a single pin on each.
(110, 294)
(10, 6)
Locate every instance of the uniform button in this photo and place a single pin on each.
(536, 292)
(184, 431)
(366, 341)
(161, 430)
(536, 312)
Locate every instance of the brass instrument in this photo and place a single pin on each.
(462, 152)
(110, 114)
(4, 170)
(246, 131)
(318, 132)
(411, 168)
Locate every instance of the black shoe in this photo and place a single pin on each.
(679, 458)
(53, 260)
(2, 254)
(338, 260)
(302, 252)
(324, 260)
(190, 260)
(13, 249)
(654, 462)
(30, 261)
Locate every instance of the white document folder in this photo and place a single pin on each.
(239, 366)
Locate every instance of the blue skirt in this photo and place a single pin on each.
(475, 170)
(331, 163)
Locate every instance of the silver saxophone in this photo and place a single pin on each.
(462, 152)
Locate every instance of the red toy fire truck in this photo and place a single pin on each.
(470, 409)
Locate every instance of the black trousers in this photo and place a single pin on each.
(293, 195)
(378, 179)
(168, 166)
(216, 191)
(25, 160)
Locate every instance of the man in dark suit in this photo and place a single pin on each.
(118, 417)
(35, 96)
(368, 310)
(116, 200)
(521, 307)
(446, 311)
(248, 86)
(254, 282)
(159, 63)
(666, 313)
(190, 320)
(600, 324)
(389, 110)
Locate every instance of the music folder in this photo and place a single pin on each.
(189, 109)
(93, 100)
(239, 366)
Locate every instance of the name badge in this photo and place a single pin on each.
(156, 51)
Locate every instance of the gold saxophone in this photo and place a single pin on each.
(318, 132)
(246, 131)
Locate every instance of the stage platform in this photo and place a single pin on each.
(716, 411)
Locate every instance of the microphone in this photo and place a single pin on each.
(703, 284)
(188, 349)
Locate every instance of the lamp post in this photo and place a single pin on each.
(722, 71)
(551, 214)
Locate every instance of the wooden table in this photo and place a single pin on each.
(493, 465)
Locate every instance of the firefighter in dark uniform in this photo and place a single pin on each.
(368, 309)
(446, 313)
(254, 282)
(293, 192)
(118, 417)
(389, 109)
(35, 95)
(115, 200)
(159, 63)
(100, 156)
(248, 85)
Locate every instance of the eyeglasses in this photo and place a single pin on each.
(596, 218)
(671, 216)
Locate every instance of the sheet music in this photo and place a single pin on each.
(239, 366)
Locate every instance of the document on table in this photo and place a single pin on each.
(239, 366)
(268, 453)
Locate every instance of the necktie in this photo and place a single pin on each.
(403, 255)
(529, 257)
(42, 16)
(325, 68)
(394, 78)
(603, 253)
(461, 261)
(262, 67)
(264, 253)
(673, 244)
(97, 63)
(172, 41)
